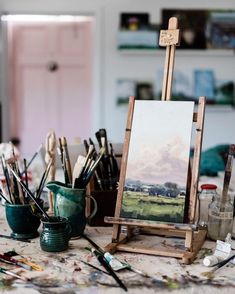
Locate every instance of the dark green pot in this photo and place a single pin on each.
(22, 221)
(55, 234)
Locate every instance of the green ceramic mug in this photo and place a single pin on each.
(71, 203)
(55, 234)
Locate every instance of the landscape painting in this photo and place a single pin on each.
(158, 158)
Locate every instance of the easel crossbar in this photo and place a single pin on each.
(149, 224)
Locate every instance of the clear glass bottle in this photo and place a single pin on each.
(206, 195)
(220, 221)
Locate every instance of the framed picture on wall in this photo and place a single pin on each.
(221, 30)
(136, 31)
(144, 91)
(192, 24)
(141, 89)
(191, 83)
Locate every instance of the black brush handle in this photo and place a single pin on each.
(96, 246)
(97, 134)
(108, 268)
(224, 262)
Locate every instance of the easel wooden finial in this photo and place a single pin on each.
(170, 39)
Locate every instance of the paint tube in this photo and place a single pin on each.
(115, 264)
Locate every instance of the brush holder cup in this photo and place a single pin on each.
(23, 220)
(55, 234)
(71, 203)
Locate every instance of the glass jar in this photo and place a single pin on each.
(208, 191)
(220, 221)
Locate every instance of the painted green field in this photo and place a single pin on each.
(159, 208)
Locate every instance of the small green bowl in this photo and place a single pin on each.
(22, 221)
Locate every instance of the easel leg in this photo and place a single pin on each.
(116, 233)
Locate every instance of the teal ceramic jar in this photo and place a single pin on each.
(55, 234)
(22, 220)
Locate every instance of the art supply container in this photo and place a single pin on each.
(106, 203)
(220, 221)
(206, 195)
(55, 234)
(23, 220)
(71, 203)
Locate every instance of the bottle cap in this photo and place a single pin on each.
(210, 260)
(208, 187)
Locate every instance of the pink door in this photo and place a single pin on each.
(52, 81)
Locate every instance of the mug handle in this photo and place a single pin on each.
(69, 229)
(94, 210)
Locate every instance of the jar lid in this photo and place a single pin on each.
(208, 187)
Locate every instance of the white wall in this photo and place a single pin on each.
(111, 64)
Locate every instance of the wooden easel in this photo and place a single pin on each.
(193, 236)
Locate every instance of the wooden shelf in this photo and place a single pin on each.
(181, 52)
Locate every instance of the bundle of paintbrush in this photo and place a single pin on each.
(13, 193)
(107, 172)
(16, 188)
(84, 167)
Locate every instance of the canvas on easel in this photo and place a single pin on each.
(158, 133)
(158, 159)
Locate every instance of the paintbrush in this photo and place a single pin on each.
(30, 194)
(89, 161)
(8, 259)
(88, 156)
(217, 266)
(66, 158)
(18, 193)
(108, 268)
(97, 134)
(43, 179)
(26, 173)
(81, 180)
(7, 201)
(113, 161)
(78, 168)
(104, 140)
(124, 264)
(99, 169)
(223, 263)
(9, 273)
(34, 156)
(114, 167)
(61, 153)
(12, 238)
(93, 167)
(7, 177)
(94, 267)
(107, 159)
(86, 145)
(15, 193)
(22, 259)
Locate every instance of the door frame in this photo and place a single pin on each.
(97, 77)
